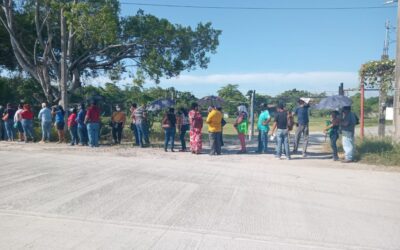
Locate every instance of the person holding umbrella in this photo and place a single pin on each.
(332, 130)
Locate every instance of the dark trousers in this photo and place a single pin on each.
(117, 132)
(135, 133)
(215, 142)
(169, 136)
(333, 138)
(184, 129)
(73, 131)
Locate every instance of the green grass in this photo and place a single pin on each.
(378, 151)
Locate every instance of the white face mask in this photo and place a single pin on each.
(118, 109)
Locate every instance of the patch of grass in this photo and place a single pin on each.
(378, 151)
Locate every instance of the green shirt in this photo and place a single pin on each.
(262, 118)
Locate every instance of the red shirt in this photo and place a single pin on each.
(27, 115)
(72, 120)
(93, 114)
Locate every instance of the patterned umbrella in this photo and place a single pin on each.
(334, 102)
(160, 104)
(211, 101)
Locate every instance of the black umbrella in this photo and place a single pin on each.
(334, 102)
(211, 101)
(160, 104)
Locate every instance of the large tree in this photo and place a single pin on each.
(57, 42)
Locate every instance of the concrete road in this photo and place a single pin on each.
(54, 197)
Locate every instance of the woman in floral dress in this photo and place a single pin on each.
(196, 125)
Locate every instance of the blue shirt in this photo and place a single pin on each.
(302, 115)
(262, 118)
(45, 115)
(59, 116)
(80, 119)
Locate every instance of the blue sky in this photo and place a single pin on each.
(272, 51)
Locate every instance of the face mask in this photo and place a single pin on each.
(118, 109)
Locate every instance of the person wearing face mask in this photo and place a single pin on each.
(118, 121)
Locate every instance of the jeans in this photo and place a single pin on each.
(135, 133)
(215, 142)
(46, 130)
(184, 129)
(27, 125)
(117, 132)
(301, 129)
(143, 133)
(262, 141)
(93, 132)
(83, 134)
(9, 124)
(169, 136)
(282, 137)
(73, 131)
(348, 145)
(333, 138)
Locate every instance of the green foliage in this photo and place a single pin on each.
(379, 151)
(232, 96)
(378, 74)
(20, 90)
(371, 105)
(290, 97)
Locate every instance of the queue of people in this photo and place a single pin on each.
(84, 127)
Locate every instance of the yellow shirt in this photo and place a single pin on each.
(214, 120)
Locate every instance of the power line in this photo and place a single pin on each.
(257, 8)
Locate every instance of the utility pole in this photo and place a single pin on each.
(396, 106)
(341, 89)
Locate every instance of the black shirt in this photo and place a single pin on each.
(172, 119)
(281, 120)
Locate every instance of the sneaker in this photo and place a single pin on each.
(41, 142)
(304, 155)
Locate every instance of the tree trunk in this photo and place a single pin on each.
(63, 62)
(382, 112)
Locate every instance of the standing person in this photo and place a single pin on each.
(45, 121)
(263, 129)
(73, 127)
(302, 126)
(59, 124)
(82, 130)
(196, 125)
(347, 125)
(332, 130)
(223, 123)
(8, 118)
(241, 126)
(169, 126)
(2, 126)
(18, 124)
(133, 125)
(141, 126)
(282, 132)
(27, 122)
(92, 121)
(118, 120)
(213, 120)
(183, 125)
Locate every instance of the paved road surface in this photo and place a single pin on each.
(61, 198)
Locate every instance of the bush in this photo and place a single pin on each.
(378, 151)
